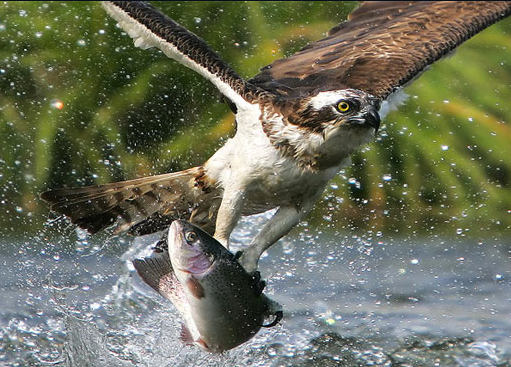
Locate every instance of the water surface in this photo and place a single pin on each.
(348, 301)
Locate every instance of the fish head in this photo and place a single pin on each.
(190, 250)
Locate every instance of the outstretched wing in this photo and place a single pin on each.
(382, 46)
(150, 28)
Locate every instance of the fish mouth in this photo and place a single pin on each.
(187, 258)
(175, 233)
(176, 236)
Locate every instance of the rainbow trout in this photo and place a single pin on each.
(222, 305)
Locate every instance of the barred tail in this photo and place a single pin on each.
(139, 206)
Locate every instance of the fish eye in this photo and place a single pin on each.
(343, 106)
(190, 236)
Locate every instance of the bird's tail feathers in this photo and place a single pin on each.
(139, 206)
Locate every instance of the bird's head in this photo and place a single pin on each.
(322, 129)
(334, 111)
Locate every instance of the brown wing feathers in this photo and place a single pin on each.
(127, 203)
(381, 46)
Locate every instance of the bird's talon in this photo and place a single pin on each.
(256, 276)
(260, 287)
(259, 284)
(246, 260)
(278, 317)
(238, 255)
(160, 246)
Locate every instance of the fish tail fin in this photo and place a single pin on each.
(141, 206)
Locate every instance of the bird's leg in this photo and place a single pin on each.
(278, 226)
(228, 215)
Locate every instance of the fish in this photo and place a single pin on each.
(222, 305)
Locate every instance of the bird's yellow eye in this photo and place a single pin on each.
(190, 236)
(343, 106)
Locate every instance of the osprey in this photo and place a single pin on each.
(297, 121)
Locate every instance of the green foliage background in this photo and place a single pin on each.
(442, 163)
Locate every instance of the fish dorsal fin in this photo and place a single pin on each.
(185, 335)
(156, 271)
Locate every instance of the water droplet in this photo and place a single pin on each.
(81, 42)
(57, 104)
(38, 34)
(414, 261)
(445, 147)
(197, 20)
(387, 177)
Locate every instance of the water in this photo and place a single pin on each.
(349, 301)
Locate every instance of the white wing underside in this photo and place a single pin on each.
(392, 102)
(144, 39)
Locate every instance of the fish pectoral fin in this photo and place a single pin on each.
(203, 343)
(161, 246)
(195, 288)
(185, 335)
(278, 317)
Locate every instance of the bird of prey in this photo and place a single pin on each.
(297, 121)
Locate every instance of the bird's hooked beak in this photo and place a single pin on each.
(369, 116)
(372, 118)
